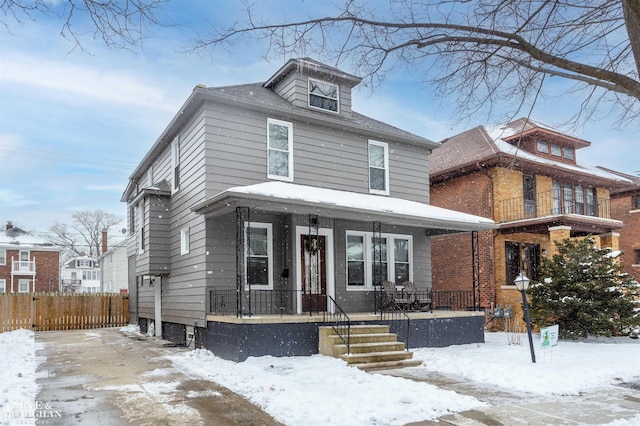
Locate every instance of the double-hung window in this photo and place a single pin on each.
(23, 286)
(3, 257)
(3, 285)
(324, 95)
(378, 168)
(259, 255)
(175, 163)
(184, 241)
(371, 260)
(279, 150)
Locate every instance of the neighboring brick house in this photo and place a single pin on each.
(625, 206)
(27, 263)
(81, 275)
(278, 198)
(526, 177)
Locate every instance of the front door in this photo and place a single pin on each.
(314, 273)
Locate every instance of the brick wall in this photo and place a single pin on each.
(47, 269)
(451, 255)
(622, 209)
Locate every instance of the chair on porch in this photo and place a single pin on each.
(391, 299)
(412, 295)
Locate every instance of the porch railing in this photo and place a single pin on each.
(262, 302)
(340, 322)
(546, 204)
(452, 300)
(397, 318)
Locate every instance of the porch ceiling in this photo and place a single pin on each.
(282, 197)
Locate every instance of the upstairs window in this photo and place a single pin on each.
(84, 263)
(378, 168)
(569, 153)
(636, 204)
(542, 146)
(279, 150)
(556, 150)
(175, 164)
(323, 95)
(3, 257)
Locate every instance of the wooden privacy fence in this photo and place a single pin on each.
(60, 311)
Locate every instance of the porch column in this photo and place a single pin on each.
(158, 306)
(557, 233)
(610, 240)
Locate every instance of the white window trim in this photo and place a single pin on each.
(386, 167)
(20, 282)
(323, 109)
(140, 230)
(3, 285)
(150, 176)
(175, 163)
(269, 228)
(368, 258)
(3, 259)
(289, 126)
(185, 241)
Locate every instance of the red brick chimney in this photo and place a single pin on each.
(9, 225)
(104, 240)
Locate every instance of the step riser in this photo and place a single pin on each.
(370, 358)
(357, 349)
(365, 338)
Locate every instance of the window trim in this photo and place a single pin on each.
(20, 282)
(3, 257)
(185, 241)
(368, 258)
(175, 164)
(385, 146)
(337, 99)
(269, 228)
(141, 232)
(3, 285)
(289, 126)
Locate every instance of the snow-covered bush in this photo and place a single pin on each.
(582, 289)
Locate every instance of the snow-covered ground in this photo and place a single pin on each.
(300, 390)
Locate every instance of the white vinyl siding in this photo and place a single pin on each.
(378, 168)
(141, 228)
(279, 150)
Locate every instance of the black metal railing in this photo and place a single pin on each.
(452, 300)
(263, 302)
(340, 322)
(548, 204)
(397, 317)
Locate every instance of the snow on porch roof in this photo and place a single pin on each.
(302, 199)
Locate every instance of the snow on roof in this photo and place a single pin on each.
(507, 148)
(358, 201)
(16, 237)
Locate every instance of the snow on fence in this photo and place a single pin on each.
(58, 311)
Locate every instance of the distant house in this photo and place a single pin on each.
(625, 206)
(263, 207)
(27, 262)
(114, 269)
(81, 275)
(527, 178)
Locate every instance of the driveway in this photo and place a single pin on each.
(102, 377)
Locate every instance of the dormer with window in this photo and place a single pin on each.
(312, 85)
(543, 141)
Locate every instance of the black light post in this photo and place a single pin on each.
(522, 284)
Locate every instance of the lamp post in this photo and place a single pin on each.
(522, 284)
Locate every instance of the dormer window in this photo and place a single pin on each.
(556, 150)
(323, 95)
(569, 153)
(543, 146)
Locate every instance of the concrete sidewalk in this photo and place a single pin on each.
(102, 377)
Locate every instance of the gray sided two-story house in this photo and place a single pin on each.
(263, 205)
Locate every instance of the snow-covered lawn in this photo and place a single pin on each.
(319, 390)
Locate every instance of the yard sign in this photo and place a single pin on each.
(549, 336)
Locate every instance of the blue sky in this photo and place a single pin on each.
(73, 125)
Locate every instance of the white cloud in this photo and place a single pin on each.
(72, 80)
(10, 198)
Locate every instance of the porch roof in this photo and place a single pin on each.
(301, 199)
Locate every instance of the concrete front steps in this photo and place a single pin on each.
(373, 347)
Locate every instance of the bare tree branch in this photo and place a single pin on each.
(485, 52)
(119, 24)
